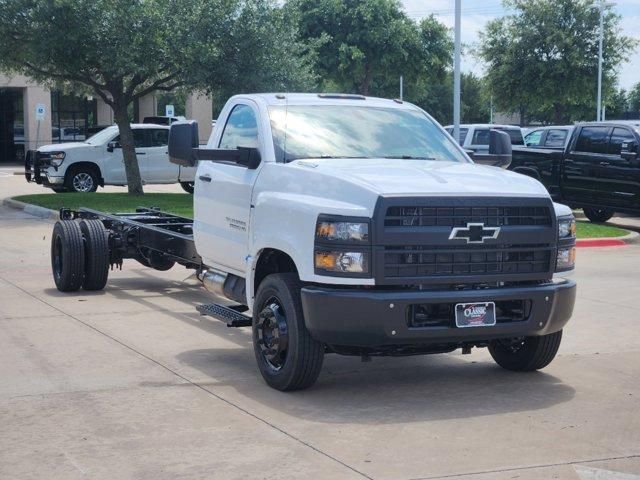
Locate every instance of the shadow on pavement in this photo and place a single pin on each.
(392, 390)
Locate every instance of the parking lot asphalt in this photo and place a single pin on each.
(132, 382)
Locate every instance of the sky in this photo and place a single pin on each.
(476, 13)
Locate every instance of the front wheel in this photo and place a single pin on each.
(597, 215)
(288, 357)
(187, 186)
(81, 179)
(525, 354)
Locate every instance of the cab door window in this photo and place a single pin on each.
(593, 140)
(533, 139)
(241, 129)
(618, 137)
(555, 138)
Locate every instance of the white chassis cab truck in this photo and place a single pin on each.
(351, 225)
(98, 161)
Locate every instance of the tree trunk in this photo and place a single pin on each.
(558, 110)
(131, 167)
(366, 80)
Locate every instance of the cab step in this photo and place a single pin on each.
(228, 315)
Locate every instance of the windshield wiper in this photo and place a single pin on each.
(409, 157)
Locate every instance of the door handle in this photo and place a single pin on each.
(205, 178)
(604, 164)
(140, 153)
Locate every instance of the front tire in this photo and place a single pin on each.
(525, 354)
(288, 357)
(187, 186)
(81, 179)
(598, 215)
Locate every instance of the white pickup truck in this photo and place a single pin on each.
(98, 161)
(349, 225)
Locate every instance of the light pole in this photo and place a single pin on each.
(601, 6)
(456, 74)
(599, 100)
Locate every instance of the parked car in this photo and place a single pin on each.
(598, 170)
(556, 136)
(83, 166)
(475, 137)
(163, 120)
(67, 134)
(348, 225)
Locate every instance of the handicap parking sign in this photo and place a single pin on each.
(40, 111)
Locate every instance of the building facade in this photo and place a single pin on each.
(31, 115)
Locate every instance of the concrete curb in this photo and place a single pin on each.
(631, 237)
(34, 210)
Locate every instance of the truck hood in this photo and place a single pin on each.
(420, 177)
(63, 147)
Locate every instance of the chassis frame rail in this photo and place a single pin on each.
(149, 235)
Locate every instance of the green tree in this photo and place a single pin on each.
(616, 104)
(364, 46)
(542, 60)
(634, 98)
(123, 49)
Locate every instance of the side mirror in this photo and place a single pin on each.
(111, 146)
(183, 138)
(499, 151)
(629, 150)
(249, 157)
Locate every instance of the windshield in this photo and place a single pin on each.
(102, 137)
(337, 131)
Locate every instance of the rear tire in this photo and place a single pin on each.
(67, 256)
(526, 354)
(96, 252)
(81, 179)
(288, 357)
(187, 186)
(598, 215)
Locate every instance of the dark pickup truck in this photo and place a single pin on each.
(598, 171)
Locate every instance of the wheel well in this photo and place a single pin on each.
(88, 165)
(272, 261)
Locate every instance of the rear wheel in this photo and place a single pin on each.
(82, 179)
(67, 256)
(597, 215)
(187, 186)
(288, 357)
(96, 252)
(525, 354)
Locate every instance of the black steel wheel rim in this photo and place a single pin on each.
(273, 334)
(57, 257)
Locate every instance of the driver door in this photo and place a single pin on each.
(223, 190)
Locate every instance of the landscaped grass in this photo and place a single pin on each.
(595, 230)
(176, 203)
(182, 204)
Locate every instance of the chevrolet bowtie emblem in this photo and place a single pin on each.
(474, 233)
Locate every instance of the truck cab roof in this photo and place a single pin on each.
(323, 99)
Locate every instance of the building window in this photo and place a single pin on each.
(70, 117)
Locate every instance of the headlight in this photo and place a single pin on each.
(345, 232)
(57, 158)
(566, 227)
(566, 259)
(342, 262)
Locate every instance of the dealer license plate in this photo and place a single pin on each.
(481, 314)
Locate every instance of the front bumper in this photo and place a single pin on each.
(369, 318)
(37, 170)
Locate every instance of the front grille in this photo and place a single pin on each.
(429, 315)
(491, 216)
(413, 242)
(418, 261)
